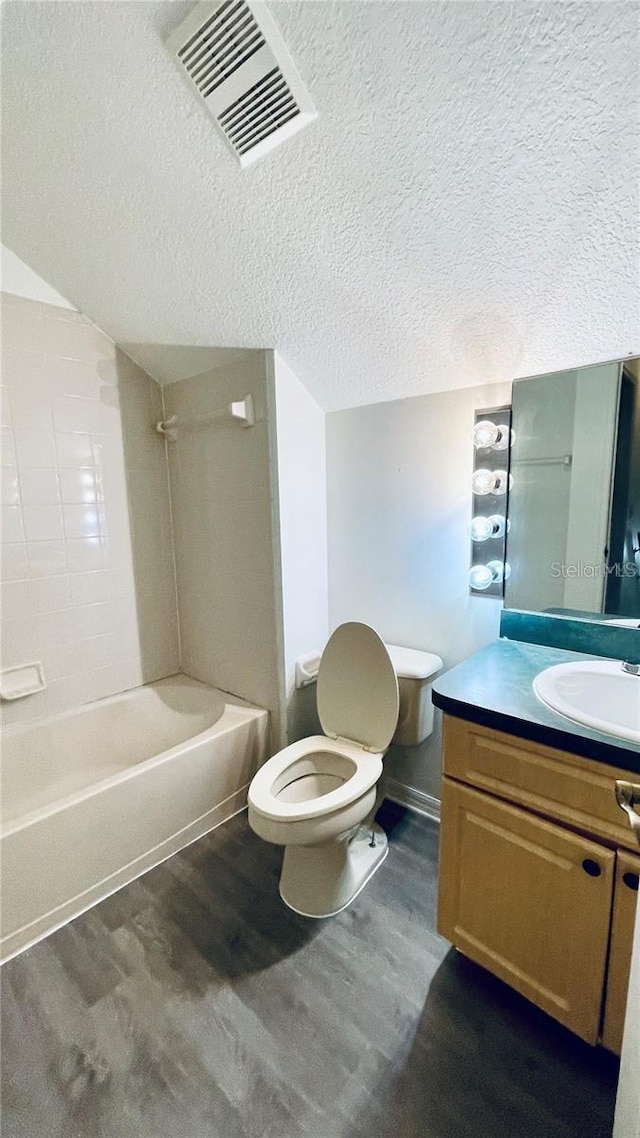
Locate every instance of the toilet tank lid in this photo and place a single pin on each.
(411, 664)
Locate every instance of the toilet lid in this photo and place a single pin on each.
(358, 688)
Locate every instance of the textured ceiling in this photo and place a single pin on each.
(463, 209)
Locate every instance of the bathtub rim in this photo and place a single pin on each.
(232, 704)
(15, 730)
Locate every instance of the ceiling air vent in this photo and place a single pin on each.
(235, 57)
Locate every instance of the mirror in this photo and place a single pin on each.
(574, 507)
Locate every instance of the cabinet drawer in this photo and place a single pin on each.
(573, 790)
(528, 900)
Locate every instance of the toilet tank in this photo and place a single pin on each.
(415, 671)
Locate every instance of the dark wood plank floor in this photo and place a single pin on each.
(192, 1004)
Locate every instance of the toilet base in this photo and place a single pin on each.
(321, 881)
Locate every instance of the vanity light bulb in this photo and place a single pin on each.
(489, 434)
(504, 481)
(481, 529)
(500, 570)
(480, 577)
(484, 481)
(499, 525)
(485, 434)
(504, 438)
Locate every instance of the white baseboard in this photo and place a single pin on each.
(412, 798)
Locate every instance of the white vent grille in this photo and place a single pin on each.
(235, 57)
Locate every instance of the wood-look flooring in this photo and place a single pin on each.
(193, 1004)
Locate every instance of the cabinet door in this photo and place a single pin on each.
(529, 901)
(625, 898)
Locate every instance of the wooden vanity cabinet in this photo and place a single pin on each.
(534, 882)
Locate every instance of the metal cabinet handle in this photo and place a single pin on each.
(628, 797)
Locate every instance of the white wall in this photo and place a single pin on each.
(398, 506)
(68, 585)
(224, 504)
(18, 279)
(302, 496)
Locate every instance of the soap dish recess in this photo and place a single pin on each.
(26, 679)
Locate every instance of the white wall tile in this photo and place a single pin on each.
(5, 408)
(97, 620)
(73, 377)
(7, 448)
(31, 407)
(78, 485)
(59, 661)
(34, 449)
(11, 527)
(81, 521)
(9, 482)
(68, 585)
(64, 694)
(21, 370)
(50, 593)
(42, 523)
(18, 644)
(85, 554)
(96, 651)
(22, 329)
(56, 628)
(74, 449)
(75, 415)
(15, 600)
(86, 343)
(14, 565)
(91, 588)
(39, 487)
(46, 558)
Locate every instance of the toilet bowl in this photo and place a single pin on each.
(317, 797)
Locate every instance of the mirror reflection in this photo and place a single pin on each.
(574, 507)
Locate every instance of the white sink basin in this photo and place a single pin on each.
(596, 693)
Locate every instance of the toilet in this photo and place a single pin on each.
(317, 797)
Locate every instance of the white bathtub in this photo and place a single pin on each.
(93, 798)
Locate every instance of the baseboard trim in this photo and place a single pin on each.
(412, 798)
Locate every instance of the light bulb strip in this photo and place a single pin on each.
(491, 482)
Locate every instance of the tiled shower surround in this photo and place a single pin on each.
(69, 595)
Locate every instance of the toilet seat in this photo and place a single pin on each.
(267, 784)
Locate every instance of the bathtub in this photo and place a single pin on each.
(95, 797)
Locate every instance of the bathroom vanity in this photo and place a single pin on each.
(538, 867)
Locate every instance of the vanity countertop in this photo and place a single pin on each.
(494, 687)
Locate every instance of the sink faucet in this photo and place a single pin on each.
(630, 668)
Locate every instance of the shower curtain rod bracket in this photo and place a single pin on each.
(241, 411)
